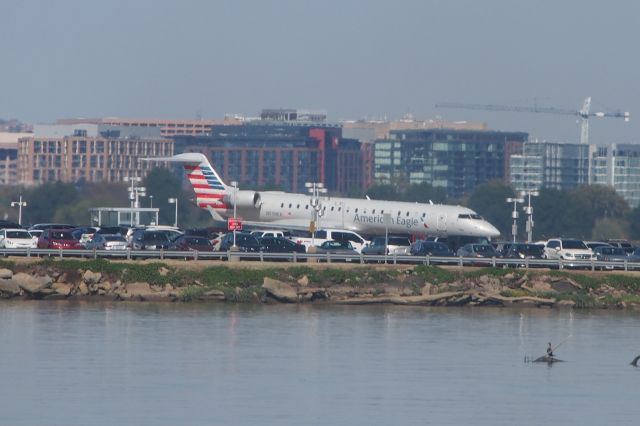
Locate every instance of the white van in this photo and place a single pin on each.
(322, 235)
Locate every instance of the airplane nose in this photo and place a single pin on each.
(489, 230)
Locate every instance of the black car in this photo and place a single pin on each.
(524, 251)
(280, 245)
(430, 248)
(244, 241)
(149, 240)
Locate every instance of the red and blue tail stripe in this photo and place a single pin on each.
(209, 188)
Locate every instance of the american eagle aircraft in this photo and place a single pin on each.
(275, 209)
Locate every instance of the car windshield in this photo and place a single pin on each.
(573, 244)
(399, 241)
(483, 248)
(155, 236)
(19, 235)
(199, 241)
(616, 251)
(61, 235)
(529, 249)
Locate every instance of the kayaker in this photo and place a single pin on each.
(550, 351)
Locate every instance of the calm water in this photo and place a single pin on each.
(138, 364)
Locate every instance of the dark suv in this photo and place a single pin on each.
(244, 242)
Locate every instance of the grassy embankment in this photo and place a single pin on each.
(243, 282)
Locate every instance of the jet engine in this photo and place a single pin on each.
(245, 199)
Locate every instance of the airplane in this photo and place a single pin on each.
(277, 209)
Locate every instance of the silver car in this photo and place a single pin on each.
(107, 242)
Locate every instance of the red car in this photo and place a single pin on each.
(58, 239)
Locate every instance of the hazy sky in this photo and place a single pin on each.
(354, 59)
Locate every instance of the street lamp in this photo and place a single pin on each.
(235, 219)
(528, 209)
(20, 205)
(315, 189)
(133, 192)
(514, 215)
(150, 201)
(174, 201)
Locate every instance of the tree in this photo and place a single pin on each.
(45, 199)
(489, 200)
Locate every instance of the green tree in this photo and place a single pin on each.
(489, 200)
(44, 200)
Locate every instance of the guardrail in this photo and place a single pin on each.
(495, 262)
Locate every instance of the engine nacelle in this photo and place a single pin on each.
(245, 199)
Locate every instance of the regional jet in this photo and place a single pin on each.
(276, 209)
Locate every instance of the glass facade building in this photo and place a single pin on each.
(618, 166)
(457, 160)
(550, 165)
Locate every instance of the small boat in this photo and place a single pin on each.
(548, 359)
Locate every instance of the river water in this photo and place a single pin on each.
(65, 363)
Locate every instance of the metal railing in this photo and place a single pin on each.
(356, 258)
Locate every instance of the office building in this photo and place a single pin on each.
(456, 160)
(87, 153)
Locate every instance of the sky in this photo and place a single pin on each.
(355, 59)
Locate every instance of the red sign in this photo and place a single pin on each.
(234, 224)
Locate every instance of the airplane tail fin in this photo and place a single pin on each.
(209, 188)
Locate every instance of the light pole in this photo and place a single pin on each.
(150, 201)
(132, 192)
(174, 201)
(529, 211)
(315, 189)
(514, 215)
(235, 220)
(20, 205)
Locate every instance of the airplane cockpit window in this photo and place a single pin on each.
(476, 216)
(464, 216)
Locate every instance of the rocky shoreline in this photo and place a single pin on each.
(345, 284)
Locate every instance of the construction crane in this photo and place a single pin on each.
(584, 113)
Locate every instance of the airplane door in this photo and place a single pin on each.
(442, 224)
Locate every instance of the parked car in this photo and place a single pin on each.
(524, 251)
(271, 233)
(338, 247)
(477, 250)
(322, 235)
(143, 239)
(84, 234)
(615, 256)
(7, 224)
(16, 238)
(567, 249)
(430, 248)
(623, 244)
(53, 238)
(244, 241)
(395, 245)
(107, 242)
(280, 245)
(594, 244)
(191, 243)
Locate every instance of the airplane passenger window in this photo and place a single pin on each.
(339, 208)
(373, 211)
(290, 205)
(356, 210)
(298, 206)
(423, 215)
(281, 205)
(306, 207)
(332, 207)
(407, 214)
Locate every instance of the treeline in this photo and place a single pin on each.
(69, 203)
(587, 212)
(590, 212)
